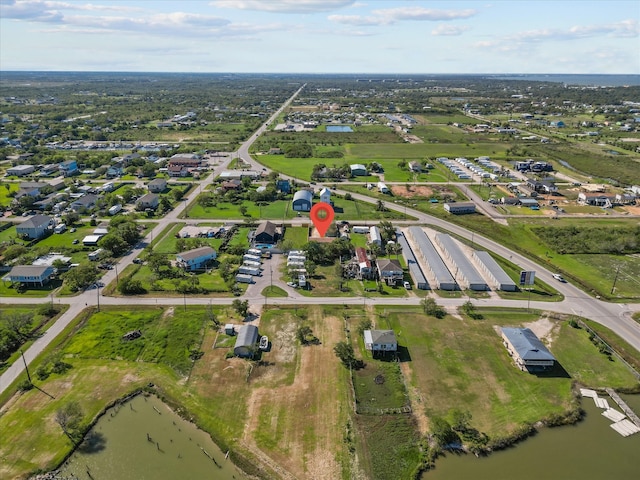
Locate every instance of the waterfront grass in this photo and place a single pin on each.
(462, 364)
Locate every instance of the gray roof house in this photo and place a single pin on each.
(149, 200)
(30, 274)
(157, 185)
(526, 349)
(195, 259)
(302, 201)
(246, 342)
(35, 227)
(380, 341)
(86, 202)
(358, 170)
(389, 270)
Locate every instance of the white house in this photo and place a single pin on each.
(325, 195)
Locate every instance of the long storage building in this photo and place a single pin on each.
(498, 277)
(427, 252)
(414, 268)
(470, 276)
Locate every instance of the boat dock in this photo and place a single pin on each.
(623, 406)
(620, 423)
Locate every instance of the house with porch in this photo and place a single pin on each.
(526, 349)
(389, 270)
(35, 227)
(196, 259)
(34, 275)
(380, 341)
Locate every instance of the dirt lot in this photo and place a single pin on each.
(414, 191)
(297, 423)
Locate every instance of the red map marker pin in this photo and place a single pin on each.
(322, 216)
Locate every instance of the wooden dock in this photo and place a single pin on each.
(623, 406)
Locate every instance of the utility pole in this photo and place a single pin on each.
(26, 367)
(615, 279)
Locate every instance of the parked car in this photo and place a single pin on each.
(407, 285)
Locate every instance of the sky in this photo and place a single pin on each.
(322, 36)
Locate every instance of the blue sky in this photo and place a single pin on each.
(322, 36)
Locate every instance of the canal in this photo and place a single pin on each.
(144, 439)
(589, 450)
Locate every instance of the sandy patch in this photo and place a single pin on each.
(544, 328)
(412, 191)
(633, 210)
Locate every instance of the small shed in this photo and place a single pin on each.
(325, 195)
(246, 341)
(229, 329)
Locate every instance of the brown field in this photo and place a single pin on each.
(297, 424)
(289, 406)
(413, 191)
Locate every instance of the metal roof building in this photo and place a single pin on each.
(528, 352)
(414, 268)
(469, 274)
(246, 341)
(427, 252)
(499, 278)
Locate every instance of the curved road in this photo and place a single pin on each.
(617, 317)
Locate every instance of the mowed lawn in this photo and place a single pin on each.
(462, 364)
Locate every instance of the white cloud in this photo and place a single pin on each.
(285, 6)
(359, 20)
(424, 14)
(51, 11)
(449, 30)
(391, 16)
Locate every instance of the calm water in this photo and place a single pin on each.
(590, 450)
(339, 128)
(122, 450)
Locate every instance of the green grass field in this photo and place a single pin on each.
(298, 236)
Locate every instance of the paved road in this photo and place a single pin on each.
(617, 317)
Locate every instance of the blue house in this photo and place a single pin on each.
(283, 186)
(69, 168)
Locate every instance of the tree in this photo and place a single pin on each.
(387, 231)
(69, 417)
(114, 243)
(243, 210)
(430, 307)
(130, 286)
(241, 307)
(380, 206)
(364, 324)
(71, 218)
(158, 262)
(80, 277)
(304, 334)
(344, 351)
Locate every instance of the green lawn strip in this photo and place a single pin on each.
(580, 357)
(281, 209)
(101, 336)
(298, 236)
(626, 351)
(274, 291)
(387, 446)
(7, 188)
(166, 242)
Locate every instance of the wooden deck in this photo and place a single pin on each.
(623, 406)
